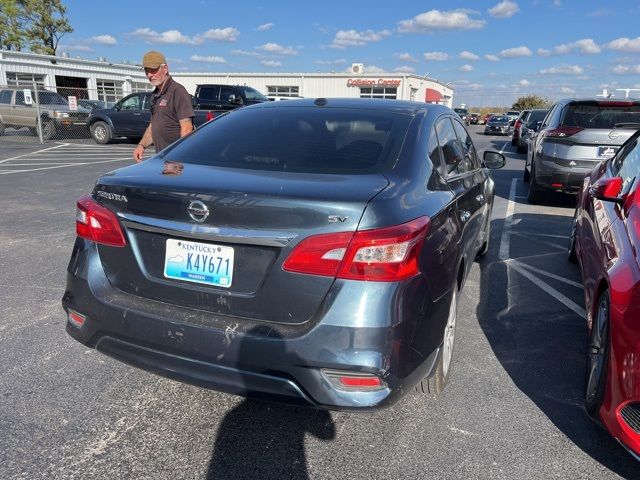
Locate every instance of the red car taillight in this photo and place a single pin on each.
(97, 223)
(210, 115)
(383, 254)
(562, 131)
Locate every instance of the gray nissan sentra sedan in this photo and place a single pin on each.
(309, 252)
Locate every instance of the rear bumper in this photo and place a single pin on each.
(259, 359)
(555, 177)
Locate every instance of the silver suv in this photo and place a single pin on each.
(574, 137)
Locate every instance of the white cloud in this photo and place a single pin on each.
(567, 90)
(465, 55)
(404, 69)
(207, 59)
(603, 12)
(625, 44)
(339, 61)
(271, 63)
(436, 20)
(543, 52)
(492, 58)
(524, 82)
(175, 36)
(264, 27)
(563, 70)
(406, 57)
(585, 46)
(276, 49)
(368, 69)
(504, 9)
(75, 48)
(245, 53)
(353, 38)
(436, 56)
(104, 39)
(228, 35)
(515, 52)
(626, 69)
(466, 68)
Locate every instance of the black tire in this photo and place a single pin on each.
(487, 234)
(435, 384)
(513, 141)
(535, 194)
(597, 357)
(520, 148)
(571, 253)
(101, 132)
(33, 131)
(48, 129)
(1, 128)
(526, 176)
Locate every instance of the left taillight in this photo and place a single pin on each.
(386, 254)
(97, 223)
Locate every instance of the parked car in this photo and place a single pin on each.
(488, 117)
(474, 118)
(574, 137)
(515, 135)
(223, 98)
(289, 265)
(463, 113)
(530, 125)
(605, 241)
(512, 115)
(19, 111)
(128, 118)
(497, 125)
(92, 104)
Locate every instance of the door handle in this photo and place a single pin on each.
(480, 198)
(137, 114)
(464, 215)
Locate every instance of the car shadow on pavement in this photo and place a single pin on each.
(542, 346)
(263, 440)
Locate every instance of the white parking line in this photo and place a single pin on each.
(508, 219)
(547, 274)
(547, 288)
(6, 172)
(31, 153)
(503, 146)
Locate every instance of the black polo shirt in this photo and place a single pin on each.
(168, 107)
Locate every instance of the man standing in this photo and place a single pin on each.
(171, 108)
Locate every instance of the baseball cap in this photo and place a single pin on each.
(153, 59)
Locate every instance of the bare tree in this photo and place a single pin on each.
(47, 24)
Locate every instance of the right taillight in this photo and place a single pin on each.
(562, 131)
(386, 254)
(97, 223)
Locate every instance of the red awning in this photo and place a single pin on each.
(432, 96)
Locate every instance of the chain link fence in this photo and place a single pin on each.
(35, 114)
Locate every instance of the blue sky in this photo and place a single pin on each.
(491, 51)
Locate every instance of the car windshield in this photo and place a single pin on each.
(537, 115)
(253, 94)
(601, 114)
(297, 139)
(500, 119)
(51, 98)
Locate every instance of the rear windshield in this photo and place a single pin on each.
(513, 113)
(600, 115)
(298, 139)
(499, 119)
(51, 98)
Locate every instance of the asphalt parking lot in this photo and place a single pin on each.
(512, 409)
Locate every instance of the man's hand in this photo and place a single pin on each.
(138, 153)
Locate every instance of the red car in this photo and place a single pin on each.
(605, 241)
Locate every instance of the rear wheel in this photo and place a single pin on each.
(598, 357)
(435, 384)
(514, 141)
(520, 148)
(101, 133)
(535, 192)
(48, 129)
(1, 128)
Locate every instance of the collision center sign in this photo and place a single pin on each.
(367, 82)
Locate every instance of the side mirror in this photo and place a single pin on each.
(117, 106)
(494, 160)
(235, 99)
(607, 190)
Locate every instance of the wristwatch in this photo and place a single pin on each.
(143, 147)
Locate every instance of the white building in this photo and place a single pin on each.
(106, 81)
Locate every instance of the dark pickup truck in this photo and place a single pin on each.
(129, 118)
(222, 98)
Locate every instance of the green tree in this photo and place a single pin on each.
(529, 102)
(47, 24)
(12, 21)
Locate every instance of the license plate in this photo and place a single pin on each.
(607, 151)
(199, 262)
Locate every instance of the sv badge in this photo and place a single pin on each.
(337, 218)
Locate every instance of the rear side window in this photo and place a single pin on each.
(470, 160)
(601, 114)
(452, 152)
(5, 96)
(225, 93)
(208, 93)
(435, 153)
(297, 139)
